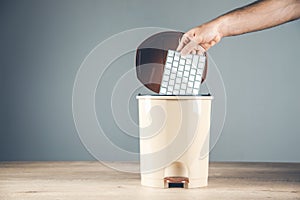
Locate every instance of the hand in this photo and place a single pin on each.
(199, 39)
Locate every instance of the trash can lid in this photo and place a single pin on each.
(174, 97)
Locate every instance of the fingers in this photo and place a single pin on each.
(192, 48)
(189, 48)
(182, 42)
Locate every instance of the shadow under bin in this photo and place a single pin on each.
(174, 130)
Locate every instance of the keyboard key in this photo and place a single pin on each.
(189, 90)
(195, 61)
(179, 74)
(175, 64)
(193, 71)
(176, 92)
(171, 53)
(168, 65)
(202, 59)
(174, 70)
(169, 60)
(188, 61)
(182, 62)
(186, 74)
(195, 91)
(182, 92)
(180, 68)
(189, 56)
(163, 90)
(166, 78)
(171, 82)
(183, 86)
(164, 84)
(176, 58)
(184, 80)
(187, 68)
(176, 87)
(177, 53)
(197, 85)
(167, 71)
(191, 78)
(198, 77)
(173, 76)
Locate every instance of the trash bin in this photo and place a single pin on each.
(173, 131)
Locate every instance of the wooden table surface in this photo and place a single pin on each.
(92, 180)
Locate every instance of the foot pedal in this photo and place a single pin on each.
(176, 182)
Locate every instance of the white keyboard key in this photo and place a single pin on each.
(164, 84)
(202, 59)
(176, 92)
(189, 56)
(176, 58)
(175, 64)
(168, 65)
(189, 90)
(188, 61)
(163, 90)
(176, 87)
(171, 82)
(169, 60)
(173, 76)
(198, 77)
(197, 85)
(182, 92)
(182, 62)
(184, 80)
(191, 78)
(177, 53)
(193, 71)
(171, 53)
(186, 74)
(179, 74)
(190, 84)
(166, 78)
(187, 68)
(180, 68)
(195, 61)
(195, 91)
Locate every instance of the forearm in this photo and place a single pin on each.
(257, 16)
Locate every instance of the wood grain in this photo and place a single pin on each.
(92, 180)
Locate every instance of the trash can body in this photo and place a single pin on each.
(174, 140)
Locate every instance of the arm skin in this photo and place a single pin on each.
(253, 17)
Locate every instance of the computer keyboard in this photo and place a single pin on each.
(182, 75)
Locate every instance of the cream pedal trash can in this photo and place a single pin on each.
(174, 130)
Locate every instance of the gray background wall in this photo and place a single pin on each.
(44, 42)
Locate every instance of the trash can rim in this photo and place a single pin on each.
(173, 97)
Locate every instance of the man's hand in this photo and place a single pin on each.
(253, 17)
(199, 39)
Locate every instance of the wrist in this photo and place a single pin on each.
(221, 24)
